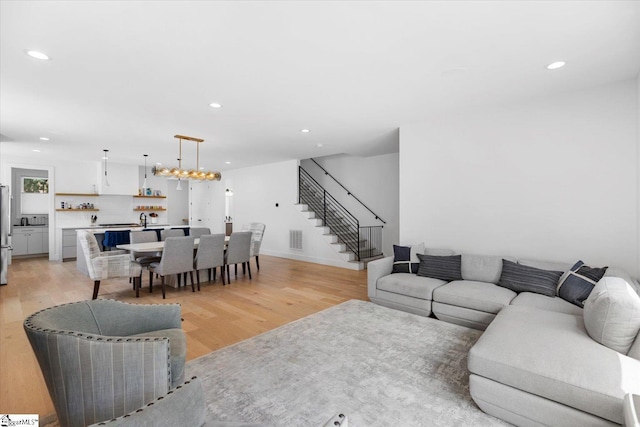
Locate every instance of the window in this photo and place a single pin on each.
(34, 196)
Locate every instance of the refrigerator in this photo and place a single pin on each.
(4, 233)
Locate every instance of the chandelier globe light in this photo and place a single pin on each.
(193, 174)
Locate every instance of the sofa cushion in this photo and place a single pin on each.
(543, 302)
(577, 283)
(522, 278)
(481, 296)
(617, 272)
(440, 267)
(405, 259)
(612, 314)
(410, 285)
(551, 355)
(177, 350)
(481, 268)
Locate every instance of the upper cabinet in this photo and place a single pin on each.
(123, 179)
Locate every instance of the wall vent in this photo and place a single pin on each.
(295, 239)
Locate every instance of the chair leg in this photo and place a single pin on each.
(214, 273)
(137, 281)
(179, 280)
(236, 268)
(249, 269)
(150, 281)
(257, 263)
(198, 278)
(162, 280)
(228, 275)
(244, 269)
(96, 286)
(222, 274)
(193, 288)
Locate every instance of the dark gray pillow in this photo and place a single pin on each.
(440, 267)
(522, 278)
(577, 283)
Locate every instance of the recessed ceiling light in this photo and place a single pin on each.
(227, 163)
(35, 151)
(37, 55)
(556, 65)
(215, 105)
(159, 164)
(318, 145)
(44, 138)
(201, 168)
(305, 130)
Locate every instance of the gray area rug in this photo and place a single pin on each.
(381, 367)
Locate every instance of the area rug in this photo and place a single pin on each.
(381, 367)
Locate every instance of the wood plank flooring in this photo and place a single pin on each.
(217, 316)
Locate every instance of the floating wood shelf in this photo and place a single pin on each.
(151, 197)
(78, 194)
(150, 209)
(77, 210)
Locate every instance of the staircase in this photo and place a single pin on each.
(337, 225)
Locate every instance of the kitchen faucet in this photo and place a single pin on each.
(143, 219)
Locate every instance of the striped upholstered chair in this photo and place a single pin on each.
(102, 359)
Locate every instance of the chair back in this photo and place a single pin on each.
(257, 230)
(239, 247)
(199, 231)
(143, 237)
(210, 252)
(91, 250)
(177, 256)
(172, 232)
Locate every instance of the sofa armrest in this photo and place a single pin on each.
(182, 406)
(375, 270)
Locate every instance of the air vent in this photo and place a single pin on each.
(295, 239)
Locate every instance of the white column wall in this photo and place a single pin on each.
(554, 179)
(256, 190)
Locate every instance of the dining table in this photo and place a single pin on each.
(155, 246)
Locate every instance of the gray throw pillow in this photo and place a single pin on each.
(522, 278)
(612, 314)
(440, 267)
(577, 283)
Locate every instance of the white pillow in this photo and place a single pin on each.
(612, 314)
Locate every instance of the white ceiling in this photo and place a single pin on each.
(127, 76)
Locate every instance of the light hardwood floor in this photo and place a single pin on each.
(282, 291)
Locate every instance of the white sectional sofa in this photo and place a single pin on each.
(536, 364)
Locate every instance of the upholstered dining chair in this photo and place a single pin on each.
(144, 258)
(107, 265)
(257, 230)
(199, 231)
(177, 258)
(210, 256)
(238, 252)
(171, 232)
(103, 358)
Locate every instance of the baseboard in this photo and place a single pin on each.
(324, 261)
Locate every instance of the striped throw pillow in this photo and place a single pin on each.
(522, 278)
(440, 267)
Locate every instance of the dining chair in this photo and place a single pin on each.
(257, 230)
(144, 258)
(177, 258)
(238, 251)
(199, 231)
(171, 232)
(107, 265)
(210, 256)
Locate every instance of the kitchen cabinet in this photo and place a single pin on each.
(30, 240)
(69, 250)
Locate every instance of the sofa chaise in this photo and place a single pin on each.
(537, 363)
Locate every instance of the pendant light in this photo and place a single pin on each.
(105, 181)
(144, 184)
(195, 174)
(177, 172)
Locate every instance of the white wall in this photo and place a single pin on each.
(373, 180)
(638, 170)
(553, 179)
(256, 192)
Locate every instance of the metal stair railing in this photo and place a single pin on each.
(364, 242)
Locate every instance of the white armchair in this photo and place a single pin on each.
(107, 265)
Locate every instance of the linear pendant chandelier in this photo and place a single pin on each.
(180, 173)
